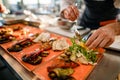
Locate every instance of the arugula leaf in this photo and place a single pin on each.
(76, 48)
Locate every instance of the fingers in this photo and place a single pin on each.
(109, 43)
(96, 42)
(104, 42)
(69, 16)
(71, 13)
(91, 38)
(99, 39)
(2, 8)
(75, 10)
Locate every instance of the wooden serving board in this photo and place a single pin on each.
(32, 48)
(20, 34)
(81, 72)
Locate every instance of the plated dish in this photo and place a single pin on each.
(75, 63)
(50, 56)
(33, 48)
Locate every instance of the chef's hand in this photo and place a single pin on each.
(2, 8)
(71, 13)
(102, 37)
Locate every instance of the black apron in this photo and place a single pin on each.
(97, 11)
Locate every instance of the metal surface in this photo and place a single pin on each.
(108, 68)
(6, 69)
(23, 73)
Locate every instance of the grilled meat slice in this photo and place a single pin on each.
(33, 58)
(61, 74)
(20, 45)
(58, 63)
(6, 38)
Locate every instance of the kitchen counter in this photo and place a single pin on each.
(107, 69)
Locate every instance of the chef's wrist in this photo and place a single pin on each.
(116, 27)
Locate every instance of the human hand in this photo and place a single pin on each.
(2, 8)
(71, 13)
(102, 37)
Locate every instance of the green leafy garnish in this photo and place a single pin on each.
(75, 49)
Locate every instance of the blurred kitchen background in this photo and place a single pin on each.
(37, 7)
(33, 8)
(45, 11)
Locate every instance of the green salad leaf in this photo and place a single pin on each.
(75, 48)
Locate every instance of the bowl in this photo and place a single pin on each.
(65, 24)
